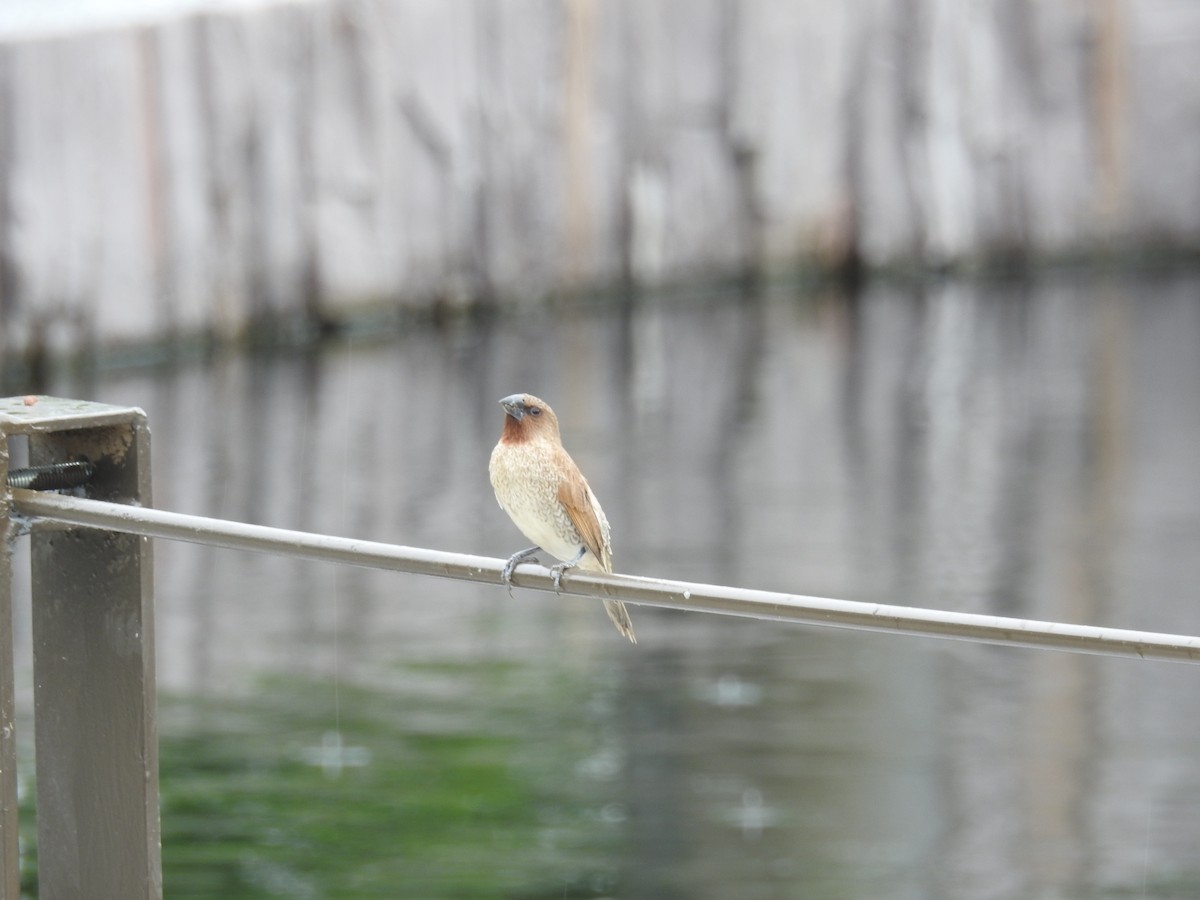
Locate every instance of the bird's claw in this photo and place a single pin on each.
(510, 567)
(556, 574)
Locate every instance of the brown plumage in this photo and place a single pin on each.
(544, 493)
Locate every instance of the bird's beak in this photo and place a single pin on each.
(514, 405)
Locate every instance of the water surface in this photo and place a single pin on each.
(1022, 449)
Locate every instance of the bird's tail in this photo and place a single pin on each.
(620, 617)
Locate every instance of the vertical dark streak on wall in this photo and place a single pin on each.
(853, 174)
(742, 150)
(216, 191)
(302, 77)
(487, 68)
(910, 22)
(626, 115)
(252, 158)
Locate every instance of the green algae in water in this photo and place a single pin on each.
(450, 789)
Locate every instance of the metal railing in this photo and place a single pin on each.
(681, 595)
(94, 651)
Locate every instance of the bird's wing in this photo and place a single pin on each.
(575, 497)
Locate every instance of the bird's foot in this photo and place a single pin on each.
(556, 574)
(515, 560)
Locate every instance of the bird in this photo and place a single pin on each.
(544, 493)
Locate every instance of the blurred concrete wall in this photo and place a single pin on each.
(202, 174)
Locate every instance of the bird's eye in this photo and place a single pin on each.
(535, 410)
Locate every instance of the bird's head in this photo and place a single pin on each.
(526, 418)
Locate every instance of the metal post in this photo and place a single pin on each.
(93, 663)
(10, 874)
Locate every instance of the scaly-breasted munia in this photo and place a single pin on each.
(544, 493)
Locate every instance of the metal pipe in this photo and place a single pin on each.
(768, 605)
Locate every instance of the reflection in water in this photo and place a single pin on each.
(1019, 449)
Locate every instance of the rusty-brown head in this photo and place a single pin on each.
(528, 418)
